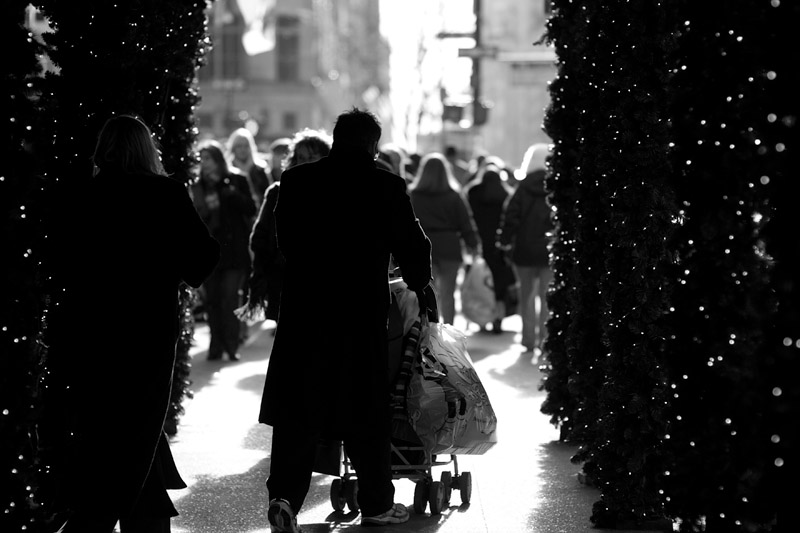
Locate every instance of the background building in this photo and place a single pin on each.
(503, 112)
(277, 66)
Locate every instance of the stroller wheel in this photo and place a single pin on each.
(436, 498)
(351, 494)
(421, 491)
(447, 482)
(338, 501)
(465, 486)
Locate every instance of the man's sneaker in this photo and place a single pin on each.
(281, 517)
(397, 514)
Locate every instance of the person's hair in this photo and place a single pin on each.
(307, 146)
(242, 133)
(125, 143)
(434, 175)
(214, 149)
(357, 128)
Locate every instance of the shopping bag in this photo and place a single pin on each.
(447, 405)
(477, 293)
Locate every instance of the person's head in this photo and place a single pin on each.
(450, 152)
(241, 145)
(212, 160)
(308, 146)
(357, 129)
(125, 143)
(434, 175)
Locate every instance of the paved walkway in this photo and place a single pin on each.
(526, 483)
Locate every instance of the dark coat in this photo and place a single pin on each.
(232, 222)
(266, 278)
(486, 196)
(338, 220)
(447, 220)
(527, 222)
(123, 246)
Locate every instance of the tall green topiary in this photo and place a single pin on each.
(735, 304)
(23, 307)
(131, 57)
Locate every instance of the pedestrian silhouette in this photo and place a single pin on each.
(524, 236)
(328, 370)
(125, 241)
(447, 220)
(224, 200)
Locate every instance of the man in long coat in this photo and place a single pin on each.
(338, 222)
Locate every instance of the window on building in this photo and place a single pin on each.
(287, 45)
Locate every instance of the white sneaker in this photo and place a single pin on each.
(281, 517)
(397, 514)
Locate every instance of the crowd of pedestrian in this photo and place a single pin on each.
(258, 249)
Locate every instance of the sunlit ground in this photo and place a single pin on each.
(223, 453)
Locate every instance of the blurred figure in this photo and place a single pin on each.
(279, 150)
(244, 155)
(266, 279)
(331, 376)
(446, 219)
(413, 164)
(487, 194)
(459, 166)
(223, 198)
(524, 236)
(129, 236)
(396, 157)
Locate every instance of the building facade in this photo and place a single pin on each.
(511, 75)
(277, 66)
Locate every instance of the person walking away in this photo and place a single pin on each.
(128, 239)
(244, 156)
(487, 195)
(266, 279)
(330, 376)
(524, 235)
(447, 220)
(225, 202)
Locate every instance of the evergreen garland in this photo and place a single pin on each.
(135, 57)
(574, 341)
(23, 309)
(732, 319)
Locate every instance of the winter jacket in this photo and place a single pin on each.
(527, 222)
(448, 223)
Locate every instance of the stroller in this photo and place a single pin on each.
(411, 459)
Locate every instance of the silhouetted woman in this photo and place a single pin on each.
(124, 244)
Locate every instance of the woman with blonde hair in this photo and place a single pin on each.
(243, 154)
(447, 221)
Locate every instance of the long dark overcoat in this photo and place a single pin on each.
(338, 220)
(123, 246)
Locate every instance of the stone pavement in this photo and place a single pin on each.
(525, 483)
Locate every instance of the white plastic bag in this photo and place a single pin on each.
(477, 293)
(447, 404)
